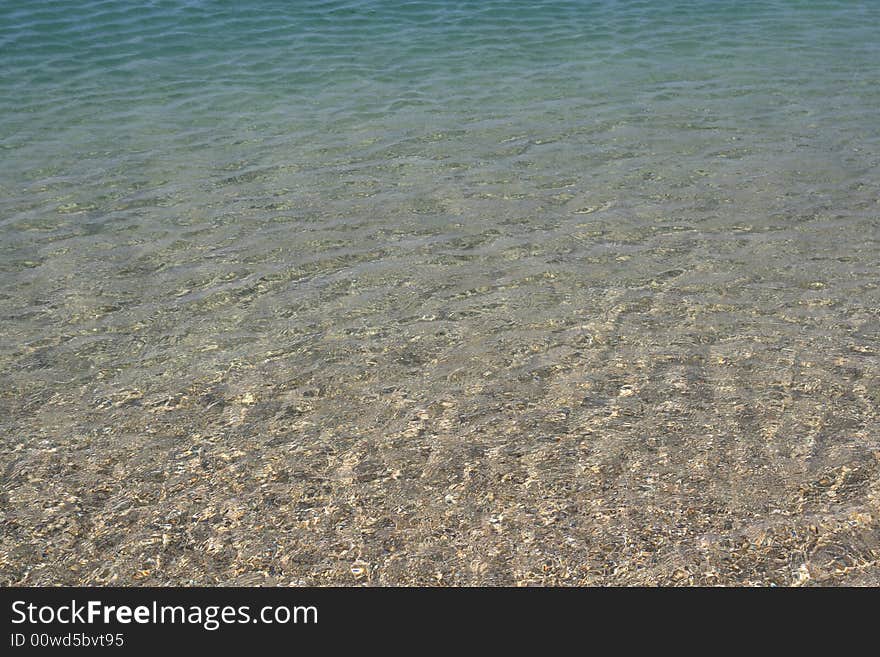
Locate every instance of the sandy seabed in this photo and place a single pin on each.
(711, 423)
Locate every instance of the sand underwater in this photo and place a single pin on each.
(498, 293)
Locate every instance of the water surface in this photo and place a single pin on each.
(458, 292)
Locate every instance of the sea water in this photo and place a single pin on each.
(505, 290)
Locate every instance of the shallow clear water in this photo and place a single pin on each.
(466, 292)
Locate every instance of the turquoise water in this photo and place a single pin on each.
(386, 259)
